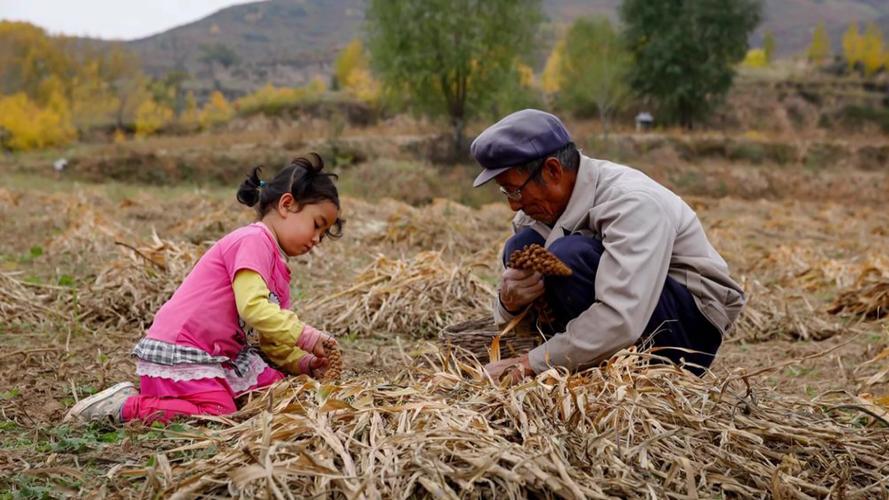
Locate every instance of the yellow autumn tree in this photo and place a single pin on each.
(872, 56)
(853, 46)
(190, 119)
(28, 56)
(25, 125)
(352, 71)
(316, 86)
(755, 58)
(93, 102)
(526, 75)
(73, 82)
(551, 78)
(152, 116)
(819, 49)
(216, 111)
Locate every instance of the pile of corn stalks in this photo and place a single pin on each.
(130, 289)
(416, 297)
(445, 226)
(443, 429)
(868, 298)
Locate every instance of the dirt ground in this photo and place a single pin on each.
(76, 296)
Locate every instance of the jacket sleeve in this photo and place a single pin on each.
(279, 329)
(638, 235)
(501, 315)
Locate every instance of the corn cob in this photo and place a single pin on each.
(543, 261)
(334, 360)
(539, 259)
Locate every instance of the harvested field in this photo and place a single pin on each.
(794, 406)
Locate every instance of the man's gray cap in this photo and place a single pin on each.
(518, 138)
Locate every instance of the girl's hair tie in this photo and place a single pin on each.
(261, 184)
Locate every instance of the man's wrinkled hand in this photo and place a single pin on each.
(519, 287)
(515, 369)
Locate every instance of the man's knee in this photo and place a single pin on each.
(520, 240)
(579, 252)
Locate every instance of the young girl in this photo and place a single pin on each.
(200, 352)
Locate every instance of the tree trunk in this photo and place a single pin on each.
(603, 117)
(686, 115)
(459, 138)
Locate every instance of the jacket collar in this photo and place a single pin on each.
(582, 199)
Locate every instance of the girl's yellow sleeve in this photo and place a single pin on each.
(279, 329)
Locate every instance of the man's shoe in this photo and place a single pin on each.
(103, 405)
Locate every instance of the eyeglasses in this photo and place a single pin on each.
(516, 194)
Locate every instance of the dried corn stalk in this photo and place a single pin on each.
(868, 298)
(474, 338)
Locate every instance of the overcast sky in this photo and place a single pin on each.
(121, 19)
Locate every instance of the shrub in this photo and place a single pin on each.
(273, 101)
(152, 116)
(29, 126)
(216, 111)
(857, 117)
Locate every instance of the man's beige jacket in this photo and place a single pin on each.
(649, 233)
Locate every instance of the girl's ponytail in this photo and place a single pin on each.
(312, 163)
(250, 191)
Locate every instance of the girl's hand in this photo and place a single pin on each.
(318, 367)
(313, 365)
(312, 341)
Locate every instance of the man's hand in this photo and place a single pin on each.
(516, 368)
(519, 287)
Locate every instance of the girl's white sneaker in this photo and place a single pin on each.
(103, 405)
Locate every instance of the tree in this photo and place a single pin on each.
(352, 72)
(447, 57)
(29, 126)
(872, 49)
(216, 111)
(190, 118)
(819, 49)
(853, 46)
(593, 69)
(152, 116)
(218, 54)
(551, 79)
(28, 57)
(768, 45)
(685, 51)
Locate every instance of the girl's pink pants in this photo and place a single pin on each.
(162, 399)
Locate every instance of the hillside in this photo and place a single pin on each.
(289, 42)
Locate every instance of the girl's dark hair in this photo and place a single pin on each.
(303, 179)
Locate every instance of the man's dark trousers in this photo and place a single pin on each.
(676, 321)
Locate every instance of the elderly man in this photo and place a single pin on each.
(643, 270)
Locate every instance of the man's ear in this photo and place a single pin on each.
(552, 169)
